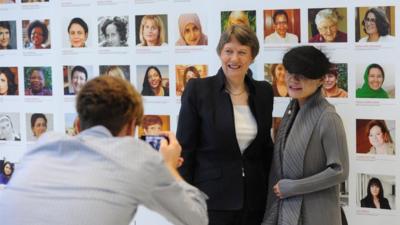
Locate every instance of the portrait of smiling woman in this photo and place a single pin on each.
(78, 33)
(373, 86)
(153, 83)
(375, 25)
(37, 34)
(328, 25)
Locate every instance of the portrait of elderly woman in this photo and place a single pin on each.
(7, 35)
(375, 24)
(240, 17)
(37, 34)
(38, 81)
(113, 31)
(375, 82)
(8, 81)
(151, 30)
(375, 136)
(190, 30)
(328, 25)
(76, 80)
(8, 129)
(78, 32)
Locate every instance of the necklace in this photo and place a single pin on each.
(235, 94)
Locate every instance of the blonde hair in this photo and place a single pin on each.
(161, 30)
(115, 71)
(236, 16)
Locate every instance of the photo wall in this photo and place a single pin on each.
(50, 49)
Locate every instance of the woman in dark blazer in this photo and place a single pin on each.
(224, 129)
(374, 198)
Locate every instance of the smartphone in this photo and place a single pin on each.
(153, 140)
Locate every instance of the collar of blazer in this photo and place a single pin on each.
(248, 80)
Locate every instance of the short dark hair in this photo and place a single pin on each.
(382, 22)
(79, 69)
(12, 86)
(42, 26)
(5, 24)
(36, 116)
(279, 12)
(4, 166)
(243, 34)
(79, 21)
(307, 61)
(108, 101)
(121, 27)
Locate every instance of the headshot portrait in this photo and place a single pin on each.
(275, 75)
(153, 124)
(335, 81)
(38, 81)
(121, 71)
(191, 33)
(77, 33)
(376, 191)
(245, 18)
(375, 136)
(327, 25)
(36, 34)
(8, 81)
(154, 80)
(186, 72)
(8, 34)
(70, 120)
(9, 127)
(7, 170)
(151, 30)
(375, 81)
(113, 31)
(37, 124)
(74, 78)
(375, 24)
(282, 26)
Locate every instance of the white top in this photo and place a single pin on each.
(95, 178)
(245, 126)
(386, 38)
(275, 38)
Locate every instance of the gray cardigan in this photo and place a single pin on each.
(310, 161)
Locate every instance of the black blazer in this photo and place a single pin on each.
(368, 203)
(212, 158)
